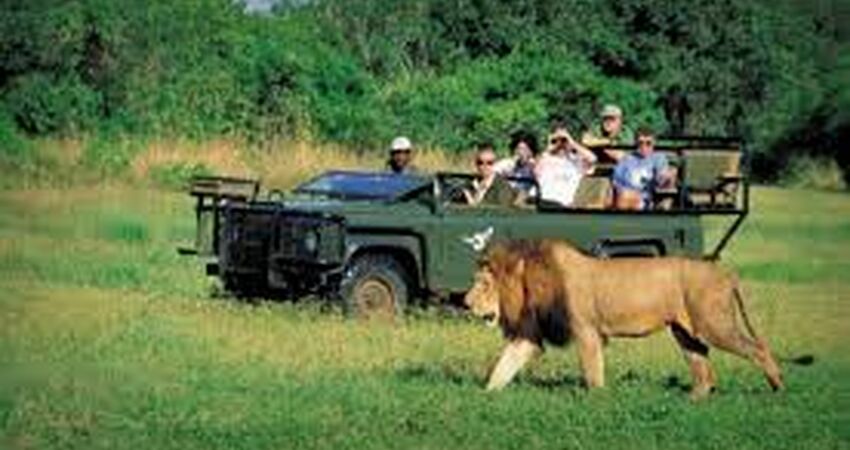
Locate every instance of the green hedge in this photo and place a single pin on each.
(445, 72)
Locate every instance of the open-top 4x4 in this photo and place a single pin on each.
(376, 240)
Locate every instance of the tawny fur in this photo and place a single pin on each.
(548, 291)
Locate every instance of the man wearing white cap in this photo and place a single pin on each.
(401, 155)
(611, 131)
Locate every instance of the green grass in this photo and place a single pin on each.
(108, 339)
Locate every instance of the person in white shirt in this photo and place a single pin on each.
(561, 168)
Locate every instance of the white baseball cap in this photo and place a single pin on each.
(401, 143)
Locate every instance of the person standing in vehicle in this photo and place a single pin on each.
(640, 173)
(401, 157)
(610, 131)
(562, 167)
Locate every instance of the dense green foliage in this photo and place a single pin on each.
(447, 73)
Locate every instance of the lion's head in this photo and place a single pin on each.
(517, 287)
(483, 298)
(498, 286)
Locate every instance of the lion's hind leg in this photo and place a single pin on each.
(764, 358)
(696, 354)
(731, 339)
(515, 355)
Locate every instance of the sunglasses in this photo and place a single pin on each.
(558, 140)
(485, 162)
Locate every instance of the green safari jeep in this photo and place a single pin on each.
(376, 241)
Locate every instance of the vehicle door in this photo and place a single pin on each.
(464, 232)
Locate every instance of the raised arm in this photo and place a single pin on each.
(587, 156)
(584, 153)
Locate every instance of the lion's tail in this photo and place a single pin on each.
(803, 360)
(739, 298)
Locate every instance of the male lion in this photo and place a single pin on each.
(548, 290)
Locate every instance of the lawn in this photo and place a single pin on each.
(109, 339)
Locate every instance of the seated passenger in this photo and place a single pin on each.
(488, 188)
(562, 167)
(611, 131)
(521, 164)
(401, 157)
(640, 173)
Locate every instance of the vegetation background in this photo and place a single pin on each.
(109, 340)
(116, 75)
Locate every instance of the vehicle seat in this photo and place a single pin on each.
(712, 177)
(593, 193)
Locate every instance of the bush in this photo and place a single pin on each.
(446, 73)
(813, 173)
(490, 98)
(43, 104)
(15, 150)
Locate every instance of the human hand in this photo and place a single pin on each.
(570, 140)
(468, 196)
(667, 178)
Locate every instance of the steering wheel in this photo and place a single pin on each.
(453, 192)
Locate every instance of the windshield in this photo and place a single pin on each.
(362, 185)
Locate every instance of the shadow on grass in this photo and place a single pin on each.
(466, 376)
(675, 383)
(551, 383)
(439, 374)
(463, 375)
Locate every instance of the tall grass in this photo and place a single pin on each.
(169, 163)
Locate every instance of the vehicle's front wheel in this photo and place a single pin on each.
(245, 286)
(375, 286)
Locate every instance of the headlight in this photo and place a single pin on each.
(311, 241)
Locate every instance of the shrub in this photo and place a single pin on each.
(43, 104)
(15, 150)
(813, 173)
(446, 73)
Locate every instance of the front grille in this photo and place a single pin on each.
(309, 239)
(245, 237)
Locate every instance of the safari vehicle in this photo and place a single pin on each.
(376, 241)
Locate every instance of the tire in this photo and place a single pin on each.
(375, 286)
(245, 286)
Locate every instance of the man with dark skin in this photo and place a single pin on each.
(401, 157)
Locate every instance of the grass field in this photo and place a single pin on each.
(108, 339)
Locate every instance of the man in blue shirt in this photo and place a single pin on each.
(638, 174)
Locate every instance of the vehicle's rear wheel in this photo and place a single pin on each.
(375, 286)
